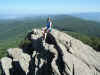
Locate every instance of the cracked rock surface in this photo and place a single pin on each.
(60, 55)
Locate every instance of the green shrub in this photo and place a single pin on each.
(92, 41)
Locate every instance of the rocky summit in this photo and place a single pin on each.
(60, 55)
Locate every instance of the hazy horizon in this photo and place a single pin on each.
(17, 16)
(21, 8)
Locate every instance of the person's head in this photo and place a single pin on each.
(49, 19)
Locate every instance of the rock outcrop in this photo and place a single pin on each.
(60, 55)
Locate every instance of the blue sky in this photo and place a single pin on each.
(48, 6)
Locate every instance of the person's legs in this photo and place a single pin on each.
(43, 33)
(45, 36)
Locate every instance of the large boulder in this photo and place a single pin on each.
(6, 64)
(60, 55)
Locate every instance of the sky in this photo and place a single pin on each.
(48, 6)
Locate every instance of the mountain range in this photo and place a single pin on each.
(94, 16)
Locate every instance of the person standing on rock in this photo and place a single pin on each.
(47, 29)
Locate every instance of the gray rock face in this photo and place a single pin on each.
(6, 65)
(60, 55)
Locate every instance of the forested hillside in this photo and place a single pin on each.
(12, 32)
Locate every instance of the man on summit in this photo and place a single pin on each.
(47, 29)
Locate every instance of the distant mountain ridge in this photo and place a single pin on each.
(89, 16)
(13, 28)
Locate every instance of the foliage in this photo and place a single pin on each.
(25, 43)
